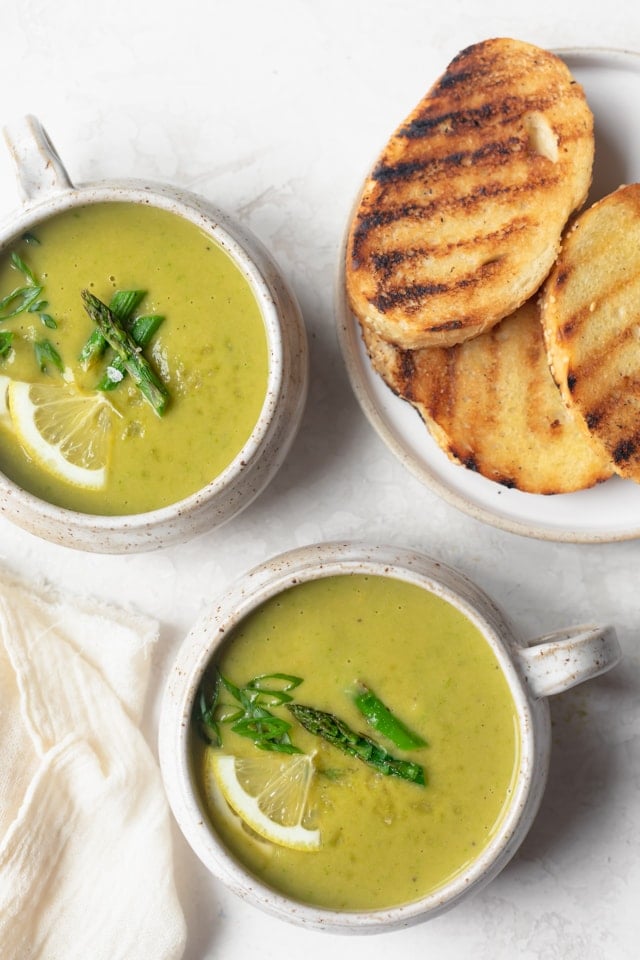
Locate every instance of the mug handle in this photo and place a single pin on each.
(560, 660)
(39, 169)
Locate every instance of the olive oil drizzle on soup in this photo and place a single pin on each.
(210, 351)
(385, 841)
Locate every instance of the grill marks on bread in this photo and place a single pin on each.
(591, 315)
(460, 219)
(492, 405)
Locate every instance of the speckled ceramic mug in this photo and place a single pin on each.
(46, 190)
(533, 670)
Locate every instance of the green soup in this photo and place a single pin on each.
(384, 840)
(210, 351)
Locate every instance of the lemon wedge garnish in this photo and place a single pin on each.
(270, 794)
(66, 432)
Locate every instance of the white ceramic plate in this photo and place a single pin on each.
(610, 511)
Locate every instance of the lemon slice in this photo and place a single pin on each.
(270, 794)
(64, 431)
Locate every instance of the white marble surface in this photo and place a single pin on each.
(274, 111)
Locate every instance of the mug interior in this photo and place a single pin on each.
(206, 642)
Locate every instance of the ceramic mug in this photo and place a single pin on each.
(46, 190)
(533, 670)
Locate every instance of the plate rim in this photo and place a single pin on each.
(350, 346)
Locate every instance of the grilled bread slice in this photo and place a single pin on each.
(591, 317)
(492, 405)
(460, 220)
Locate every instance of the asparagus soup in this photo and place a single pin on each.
(133, 359)
(356, 742)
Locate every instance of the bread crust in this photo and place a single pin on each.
(460, 220)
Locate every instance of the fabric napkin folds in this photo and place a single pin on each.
(85, 847)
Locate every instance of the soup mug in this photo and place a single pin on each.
(46, 190)
(533, 671)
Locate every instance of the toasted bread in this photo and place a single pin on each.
(591, 317)
(492, 405)
(460, 220)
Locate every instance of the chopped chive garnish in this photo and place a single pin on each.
(27, 298)
(136, 365)
(38, 306)
(26, 271)
(47, 354)
(205, 712)
(18, 301)
(6, 340)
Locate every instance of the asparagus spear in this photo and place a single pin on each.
(122, 305)
(142, 329)
(381, 719)
(335, 731)
(151, 387)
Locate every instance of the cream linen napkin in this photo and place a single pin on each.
(85, 846)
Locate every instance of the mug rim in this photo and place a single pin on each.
(244, 250)
(209, 634)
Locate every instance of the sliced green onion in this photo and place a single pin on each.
(204, 714)
(24, 296)
(256, 722)
(124, 302)
(46, 353)
(271, 688)
(6, 340)
(20, 265)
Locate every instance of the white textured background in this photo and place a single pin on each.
(274, 110)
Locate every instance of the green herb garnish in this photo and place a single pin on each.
(381, 719)
(26, 271)
(249, 716)
(205, 711)
(142, 329)
(135, 364)
(47, 354)
(26, 298)
(255, 721)
(336, 732)
(122, 305)
(6, 339)
(18, 301)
